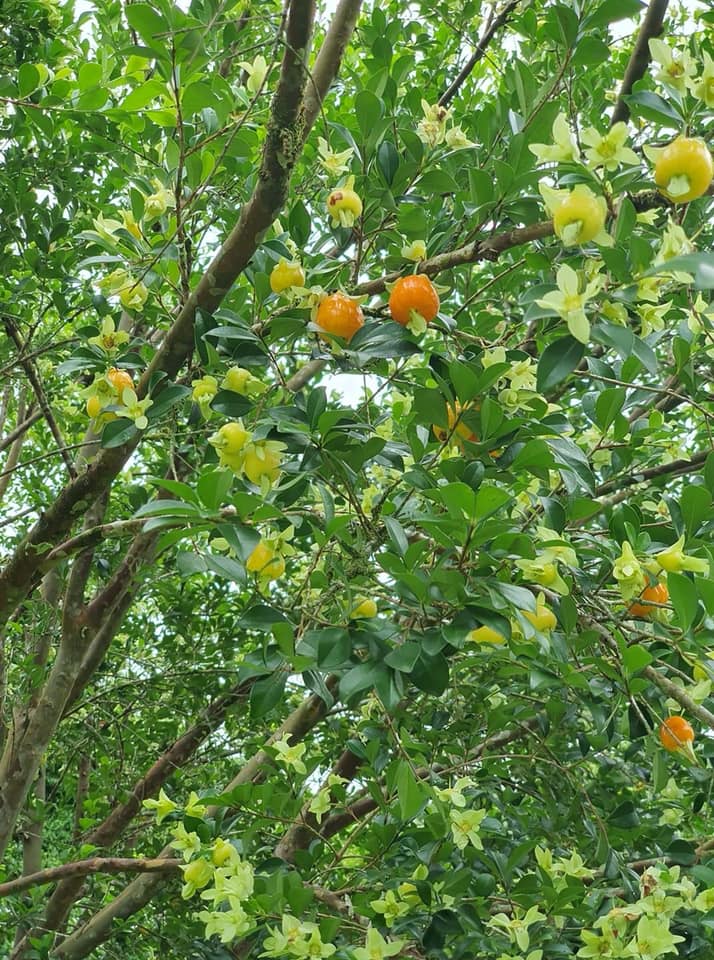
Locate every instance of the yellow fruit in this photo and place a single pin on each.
(266, 562)
(231, 438)
(543, 619)
(286, 274)
(364, 609)
(94, 406)
(684, 169)
(580, 217)
(485, 635)
(236, 379)
(260, 461)
(344, 206)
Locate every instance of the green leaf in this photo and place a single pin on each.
(212, 487)
(683, 596)
(28, 79)
(118, 432)
(636, 658)
(168, 397)
(388, 161)
(267, 693)
(148, 23)
(299, 223)
(359, 678)
(396, 535)
(369, 109)
(700, 265)
(410, 792)
(608, 405)
(649, 105)
(431, 674)
(558, 360)
(612, 10)
(404, 657)
(696, 506)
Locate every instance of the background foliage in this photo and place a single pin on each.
(139, 649)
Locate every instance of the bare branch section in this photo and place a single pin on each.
(500, 21)
(487, 249)
(141, 890)
(640, 58)
(36, 384)
(83, 868)
(677, 693)
(19, 430)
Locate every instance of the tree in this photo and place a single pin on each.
(357, 480)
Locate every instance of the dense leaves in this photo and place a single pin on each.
(375, 623)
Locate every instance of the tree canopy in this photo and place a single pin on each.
(357, 479)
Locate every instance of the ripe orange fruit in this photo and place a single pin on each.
(120, 380)
(675, 733)
(413, 294)
(684, 169)
(340, 315)
(656, 593)
(457, 429)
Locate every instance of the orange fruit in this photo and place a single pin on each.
(656, 593)
(675, 733)
(684, 169)
(416, 294)
(120, 380)
(339, 315)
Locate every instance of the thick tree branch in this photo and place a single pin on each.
(676, 467)
(328, 61)
(83, 868)
(488, 249)
(674, 691)
(640, 57)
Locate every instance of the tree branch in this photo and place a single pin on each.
(640, 57)
(328, 61)
(498, 22)
(83, 868)
(36, 384)
(21, 428)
